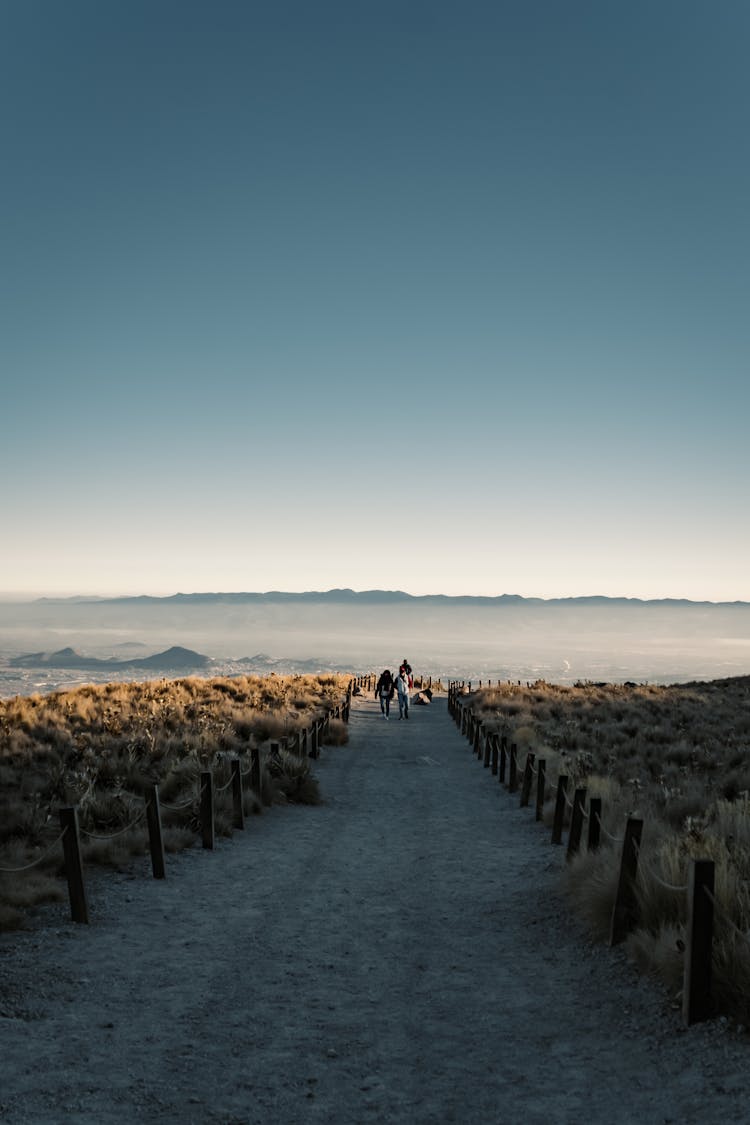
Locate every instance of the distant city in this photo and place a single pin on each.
(52, 643)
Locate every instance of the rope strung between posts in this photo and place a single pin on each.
(569, 803)
(681, 889)
(119, 832)
(177, 808)
(610, 837)
(43, 856)
(221, 788)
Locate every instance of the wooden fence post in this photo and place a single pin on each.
(255, 780)
(79, 911)
(528, 777)
(513, 769)
(314, 748)
(487, 749)
(557, 823)
(494, 754)
(697, 1001)
(595, 823)
(207, 808)
(503, 758)
(541, 770)
(238, 813)
(625, 910)
(155, 840)
(576, 823)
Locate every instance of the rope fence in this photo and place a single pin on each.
(682, 888)
(223, 788)
(697, 999)
(35, 863)
(120, 831)
(612, 839)
(179, 808)
(306, 741)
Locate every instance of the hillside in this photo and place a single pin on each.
(173, 659)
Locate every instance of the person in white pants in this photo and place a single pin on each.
(402, 687)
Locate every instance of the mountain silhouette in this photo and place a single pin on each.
(172, 659)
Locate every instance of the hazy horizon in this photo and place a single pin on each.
(559, 641)
(15, 597)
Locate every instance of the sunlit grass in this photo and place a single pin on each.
(101, 747)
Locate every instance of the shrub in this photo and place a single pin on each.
(336, 734)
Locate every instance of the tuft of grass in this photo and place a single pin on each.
(337, 733)
(590, 880)
(660, 954)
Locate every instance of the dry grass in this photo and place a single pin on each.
(677, 756)
(337, 733)
(100, 747)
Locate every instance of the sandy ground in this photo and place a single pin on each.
(399, 954)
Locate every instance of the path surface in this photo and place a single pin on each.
(398, 954)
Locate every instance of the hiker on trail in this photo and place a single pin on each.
(402, 687)
(405, 669)
(384, 691)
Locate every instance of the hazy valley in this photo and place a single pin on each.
(509, 637)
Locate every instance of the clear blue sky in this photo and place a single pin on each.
(444, 296)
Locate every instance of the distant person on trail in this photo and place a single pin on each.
(384, 691)
(402, 687)
(406, 668)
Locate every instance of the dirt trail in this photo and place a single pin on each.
(399, 954)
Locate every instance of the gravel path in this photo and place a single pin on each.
(399, 954)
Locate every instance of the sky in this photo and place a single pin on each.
(448, 297)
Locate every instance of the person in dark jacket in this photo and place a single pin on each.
(405, 670)
(384, 691)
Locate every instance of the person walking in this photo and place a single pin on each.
(402, 687)
(384, 691)
(405, 668)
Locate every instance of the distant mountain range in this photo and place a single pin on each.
(509, 636)
(377, 597)
(173, 659)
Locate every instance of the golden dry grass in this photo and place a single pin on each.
(679, 757)
(100, 746)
